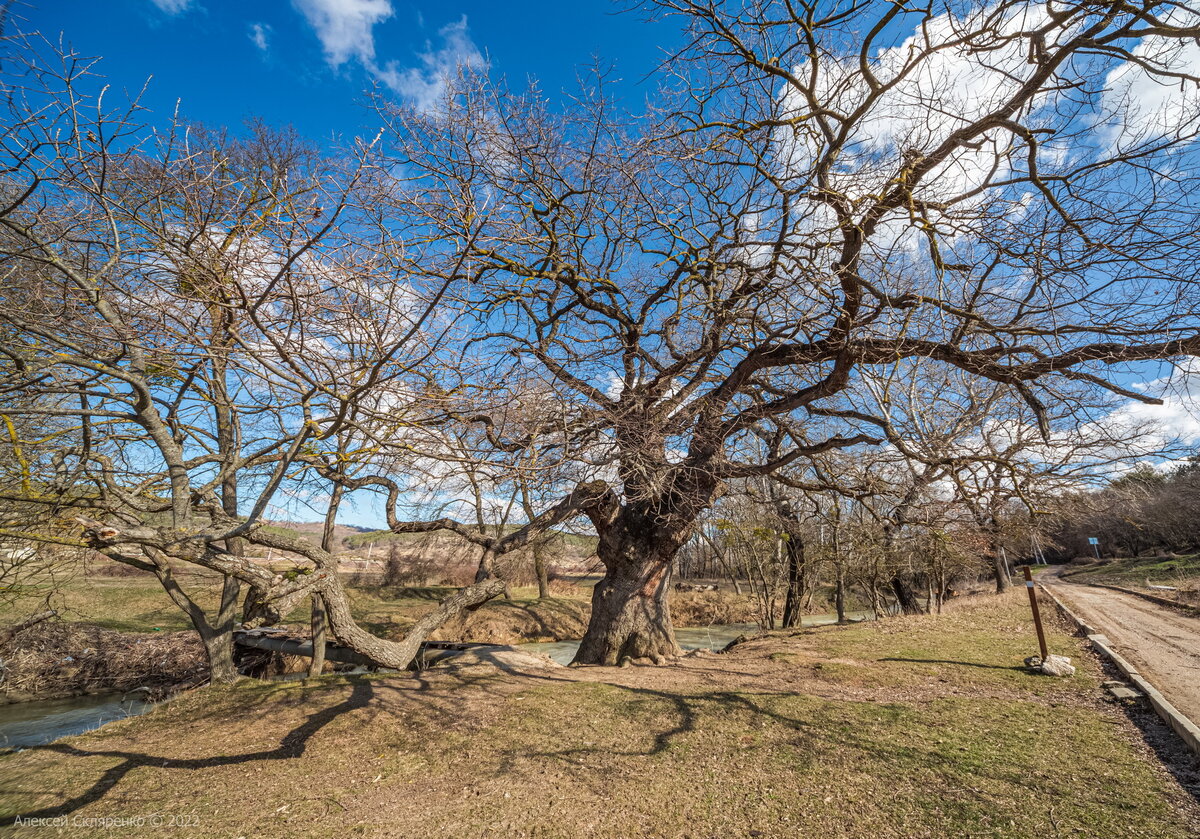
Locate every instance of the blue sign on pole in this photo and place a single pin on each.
(1092, 540)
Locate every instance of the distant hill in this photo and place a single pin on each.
(365, 537)
(312, 530)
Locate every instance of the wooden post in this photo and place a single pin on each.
(318, 637)
(1037, 616)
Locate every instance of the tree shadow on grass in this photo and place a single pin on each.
(292, 745)
(1013, 667)
(821, 731)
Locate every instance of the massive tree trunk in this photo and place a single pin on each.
(637, 543)
(630, 612)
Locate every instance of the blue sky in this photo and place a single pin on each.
(307, 63)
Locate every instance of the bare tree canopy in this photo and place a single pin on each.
(607, 315)
(194, 323)
(820, 197)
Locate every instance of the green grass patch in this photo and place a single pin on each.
(1136, 571)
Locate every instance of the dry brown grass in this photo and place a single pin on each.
(55, 659)
(922, 727)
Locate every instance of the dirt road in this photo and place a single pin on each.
(1162, 643)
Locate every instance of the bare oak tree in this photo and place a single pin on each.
(819, 192)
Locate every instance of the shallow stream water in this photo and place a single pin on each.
(26, 724)
(691, 638)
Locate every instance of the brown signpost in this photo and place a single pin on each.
(1037, 616)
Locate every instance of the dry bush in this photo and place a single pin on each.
(564, 586)
(116, 570)
(65, 659)
(711, 608)
(513, 622)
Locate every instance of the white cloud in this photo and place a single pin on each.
(1178, 417)
(928, 99)
(346, 31)
(172, 7)
(936, 81)
(1139, 105)
(344, 27)
(259, 35)
(424, 86)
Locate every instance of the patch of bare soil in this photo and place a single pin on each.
(511, 622)
(58, 659)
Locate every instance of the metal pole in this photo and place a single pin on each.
(1096, 548)
(1037, 549)
(1037, 616)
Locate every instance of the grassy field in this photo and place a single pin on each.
(138, 604)
(1135, 572)
(911, 727)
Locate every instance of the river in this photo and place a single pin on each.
(26, 724)
(689, 638)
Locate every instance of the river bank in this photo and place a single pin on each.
(127, 637)
(61, 659)
(909, 727)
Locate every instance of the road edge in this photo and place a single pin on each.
(1187, 608)
(1172, 716)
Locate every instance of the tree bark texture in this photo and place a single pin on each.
(797, 578)
(539, 568)
(906, 598)
(631, 615)
(318, 637)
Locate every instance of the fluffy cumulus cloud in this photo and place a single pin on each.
(1152, 97)
(947, 89)
(1178, 417)
(954, 84)
(172, 7)
(345, 27)
(936, 83)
